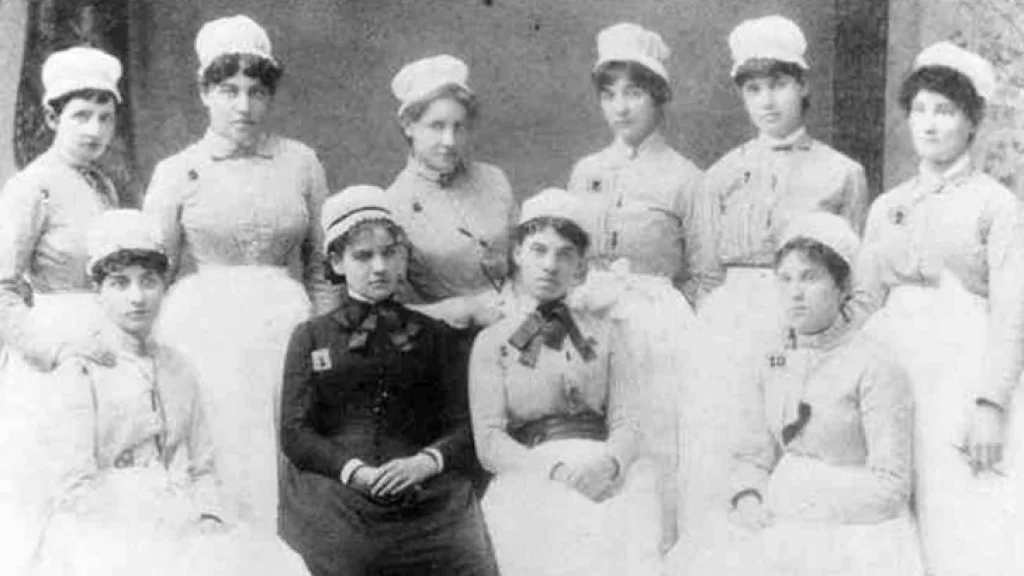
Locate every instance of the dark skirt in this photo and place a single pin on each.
(340, 532)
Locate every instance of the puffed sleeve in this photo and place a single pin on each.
(163, 205)
(324, 295)
(624, 401)
(300, 441)
(1004, 252)
(756, 451)
(497, 450)
(880, 489)
(22, 223)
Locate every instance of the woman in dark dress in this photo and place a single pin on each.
(375, 420)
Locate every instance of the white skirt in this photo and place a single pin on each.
(738, 323)
(970, 525)
(540, 527)
(660, 328)
(29, 473)
(135, 521)
(234, 323)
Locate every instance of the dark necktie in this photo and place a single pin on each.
(383, 319)
(548, 325)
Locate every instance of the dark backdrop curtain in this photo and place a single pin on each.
(54, 25)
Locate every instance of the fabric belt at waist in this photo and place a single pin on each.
(585, 426)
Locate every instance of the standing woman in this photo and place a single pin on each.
(748, 198)
(640, 194)
(239, 211)
(944, 255)
(375, 420)
(555, 400)
(45, 307)
(457, 212)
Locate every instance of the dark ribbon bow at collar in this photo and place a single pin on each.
(380, 318)
(548, 325)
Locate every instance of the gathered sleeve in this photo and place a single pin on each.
(488, 405)
(74, 441)
(201, 450)
(706, 219)
(858, 199)
(698, 244)
(756, 451)
(302, 444)
(22, 223)
(624, 401)
(163, 205)
(1004, 253)
(869, 291)
(324, 295)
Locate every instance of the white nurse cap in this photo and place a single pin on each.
(976, 68)
(826, 228)
(554, 203)
(232, 35)
(769, 38)
(626, 42)
(420, 79)
(80, 68)
(117, 230)
(353, 205)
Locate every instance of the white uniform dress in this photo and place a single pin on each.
(44, 212)
(944, 253)
(241, 227)
(748, 198)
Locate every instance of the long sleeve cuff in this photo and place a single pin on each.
(436, 455)
(349, 469)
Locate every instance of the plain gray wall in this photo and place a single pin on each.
(530, 62)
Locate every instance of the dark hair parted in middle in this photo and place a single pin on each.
(646, 79)
(338, 245)
(147, 259)
(947, 82)
(564, 227)
(90, 94)
(821, 254)
(228, 65)
(771, 68)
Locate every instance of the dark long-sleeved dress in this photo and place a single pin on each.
(372, 383)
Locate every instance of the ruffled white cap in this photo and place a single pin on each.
(80, 68)
(124, 229)
(418, 80)
(232, 35)
(554, 203)
(976, 68)
(826, 228)
(626, 42)
(355, 204)
(770, 38)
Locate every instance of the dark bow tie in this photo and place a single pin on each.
(548, 325)
(380, 318)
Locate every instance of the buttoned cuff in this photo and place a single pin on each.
(437, 457)
(349, 469)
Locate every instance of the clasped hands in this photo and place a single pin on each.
(394, 477)
(595, 477)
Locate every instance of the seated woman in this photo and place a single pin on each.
(555, 408)
(822, 482)
(139, 494)
(374, 420)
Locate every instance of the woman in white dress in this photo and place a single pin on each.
(555, 406)
(821, 481)
(45, 305)
(944, 255)
(239, 212)
(139, 493)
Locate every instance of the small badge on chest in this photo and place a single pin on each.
(321, 360)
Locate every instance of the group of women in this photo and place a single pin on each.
(751, 370)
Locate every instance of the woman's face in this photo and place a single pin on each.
(84, 129)
(629, 110)
(373, 263)
(131, 298)
(940, 129)
(440, 137)
(238, 108)
(775, 104)
(548, 264)
(809, 294)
